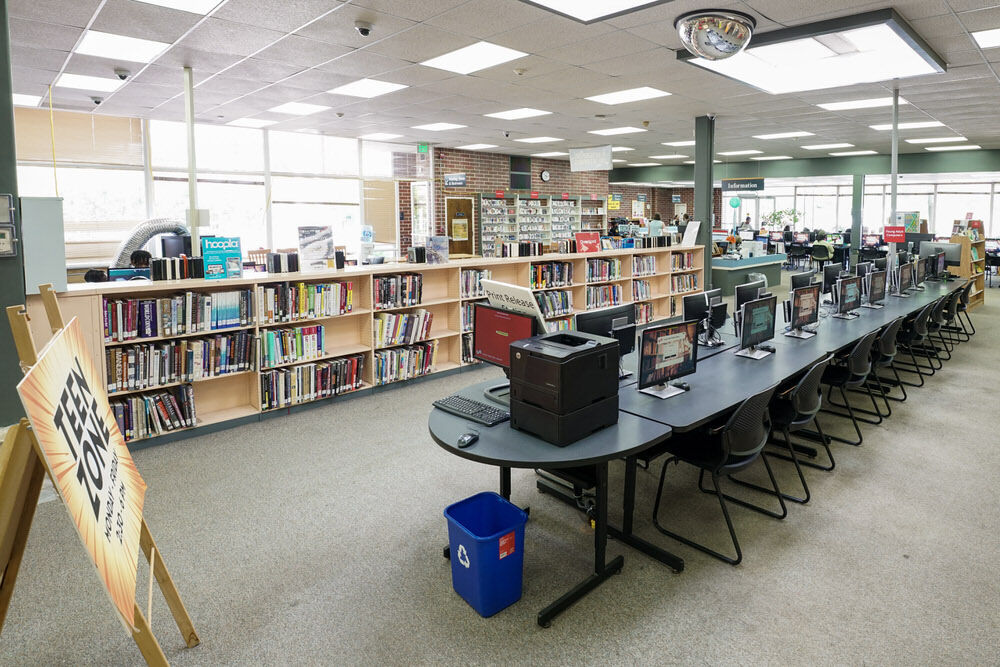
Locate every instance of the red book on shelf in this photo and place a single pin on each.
(588, 241)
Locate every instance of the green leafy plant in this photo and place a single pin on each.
(778, 218)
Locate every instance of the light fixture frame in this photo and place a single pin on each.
(623, 12)
(889, 17)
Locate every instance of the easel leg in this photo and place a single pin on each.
(146, 641)
(8, 577)
(168, 589)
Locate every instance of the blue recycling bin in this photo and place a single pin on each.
(486, 539)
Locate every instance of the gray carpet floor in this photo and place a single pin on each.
(316, 539)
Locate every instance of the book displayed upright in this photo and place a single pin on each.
(316, 251)
(223, 257)
(437, 250)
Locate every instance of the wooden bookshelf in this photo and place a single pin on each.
(237, 396)
(972, 267)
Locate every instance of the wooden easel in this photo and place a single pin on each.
(21, 472)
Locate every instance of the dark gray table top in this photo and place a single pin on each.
(502, 445)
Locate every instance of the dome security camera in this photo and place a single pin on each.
(363, 27)
(122, 73)
(97, 100)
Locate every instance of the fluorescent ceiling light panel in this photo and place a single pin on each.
(475, 147)
(746, 152)
(847, 153)
(763, 158)
(678, 144)
(474, 57)
(438, 127)
(824, 147)
(644, 164)
(549, 154)
(869, 47)
(84, 82)
(783, 135)
(538, 140)
(380, 136)
(194, 6)
(22, 100)
(618, 160)
(630, 95)
(587, 11)
(251, 122)
(871, 103)
(298, 108)
(692, 161)
(367, 88)
(674, 156)
(908, 126)
(119, 47)
(611, 131)
(621, 149)
(987, 39)
(960, 147)
(518, 114)
(935, 140)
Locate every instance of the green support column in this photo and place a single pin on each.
(857, 202)
(11, 268)
(704, 153)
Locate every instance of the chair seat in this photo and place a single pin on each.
(840, 376)
(784, 415)
(700, 450)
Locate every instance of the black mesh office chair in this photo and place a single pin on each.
(821, 254)
(851, 372)
(797, 255)
(912, 337)
(868, 254)
(722, 451)
(951, 324)
(935, 324)
(884, 356)
(963, 309)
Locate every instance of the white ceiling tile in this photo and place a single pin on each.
(417, 75)
(420, 43)
(475, 17)
(413, 10)
(550, 33)
(200, 61)
(265, 14)
(338, 27)
(218, 36)
(39, 58)
(608, 46)
(364, 63)
(145, 21)
(301, 51)
(35, 33)
(262, 70)
(76, 13)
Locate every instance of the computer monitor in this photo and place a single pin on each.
(992, 245)
(862, 269)
(835, 239)
(714, 296)
(779, 237)
(871, 240)
(952, 251)
(115, 275)
(881, 263)
(848, 297)
(802, 279)
(756, 326)
(902, 257)
(747, 235)
(876, 288)
(667, 353)
(801, 237)
(694, 307)
(495, 329)
(747, 292)
(831, 272)
(172, 245)
(941, 269)
(803, 310)
(617, 322)
(919, 271)
(904, 278)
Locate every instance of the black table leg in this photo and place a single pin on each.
(505, 482)
(626, 536)
(602, 569)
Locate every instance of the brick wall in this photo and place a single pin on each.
(405, 217)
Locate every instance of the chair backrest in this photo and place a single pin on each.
(258, 256)
(964, 294)
(920, 323)
(937, 312)
(951, 305)
(807, 397)
(821, 252)
(747, 430)
(859, 362)
(887, 338)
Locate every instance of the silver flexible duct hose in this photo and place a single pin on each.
(140, 236)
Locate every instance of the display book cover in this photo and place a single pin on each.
(316, 250)
(587, 241)
(222, 256)
(437, 250)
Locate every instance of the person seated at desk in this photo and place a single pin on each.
(821, 240)
(656, 225)
(139, 259)
(613, 228)
(746, 226)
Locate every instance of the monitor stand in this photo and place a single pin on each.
(846, 316)
(873, 306)
(709, 339)
(902, 295)
(752, 352)
(622, 373)
(499, 393)
(800, 333)
(663, 390)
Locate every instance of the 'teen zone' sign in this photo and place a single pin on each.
(87, 459)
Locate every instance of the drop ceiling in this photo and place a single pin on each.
(250, 56)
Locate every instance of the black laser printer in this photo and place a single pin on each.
(563, 385)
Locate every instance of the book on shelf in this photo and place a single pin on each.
(641, 290)
(564, 324)
(287, 302)
(287, 346)
(555, 303)
(643, 313)
(398, 291)
(283, 387)
(643, 265)
(147, 415)
(587, 241)
(282, 262)
(685, 282)
(602, 296)
(467, 352)
(470, 286)
(468, 316)
(551, 274)
(190, 312)
(148, 365)
(437, 250)
(404, 363)
(682, 261)
(402, 328)
(603, 269)
(176, 268)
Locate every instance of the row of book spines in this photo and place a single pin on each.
(291, 386)
(471, 282)
(555, 303)
(285, 346)
(683, 283)
(125, 319)
(518, 249)
(286, 303)
(603, 269)
(405, 289)
(641, 290)
(643, 313)
(643, 264)
(132, 367)
(682, 260)
(604, 295)
(395, 329)
(403, 363)
(551, 274)
(151, 414)
(467, 354)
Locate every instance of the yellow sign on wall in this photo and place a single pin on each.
(88, 461)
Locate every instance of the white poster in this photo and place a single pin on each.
(315, 248)
(691, 233)
(513, 298)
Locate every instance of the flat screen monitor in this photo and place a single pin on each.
(667, 353)
(802, 279)
(903, 257)
(862, 269)
(495, 329)
(172, 245)
(747, 292)
(848, 294)
(779, 237)
(871, 240)
(905, 277)
(919, 271)
(876, 286)
(831, 272)
(940, 264)
(694, 307)
(714, 295)
(115, 275)
(992, 245)
(835, 239)
(952, 251)
(881, 263)
(747, 235)
(801, 237)
(757, 321)
(617, 322)
(805, 306)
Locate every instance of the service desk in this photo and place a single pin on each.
(728, 273)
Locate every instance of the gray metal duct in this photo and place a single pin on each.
(140, 236)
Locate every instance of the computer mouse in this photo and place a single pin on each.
(769, 348)
(467, 440)
(682, 385)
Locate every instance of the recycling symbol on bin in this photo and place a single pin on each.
(463, 555)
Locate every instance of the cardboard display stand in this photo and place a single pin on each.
(73, 437)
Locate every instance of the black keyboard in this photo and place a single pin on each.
(473, 410)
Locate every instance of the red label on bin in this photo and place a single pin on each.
(507, 545)
(894, 234)
(534, 194)
(565, 195)
(499, 194)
